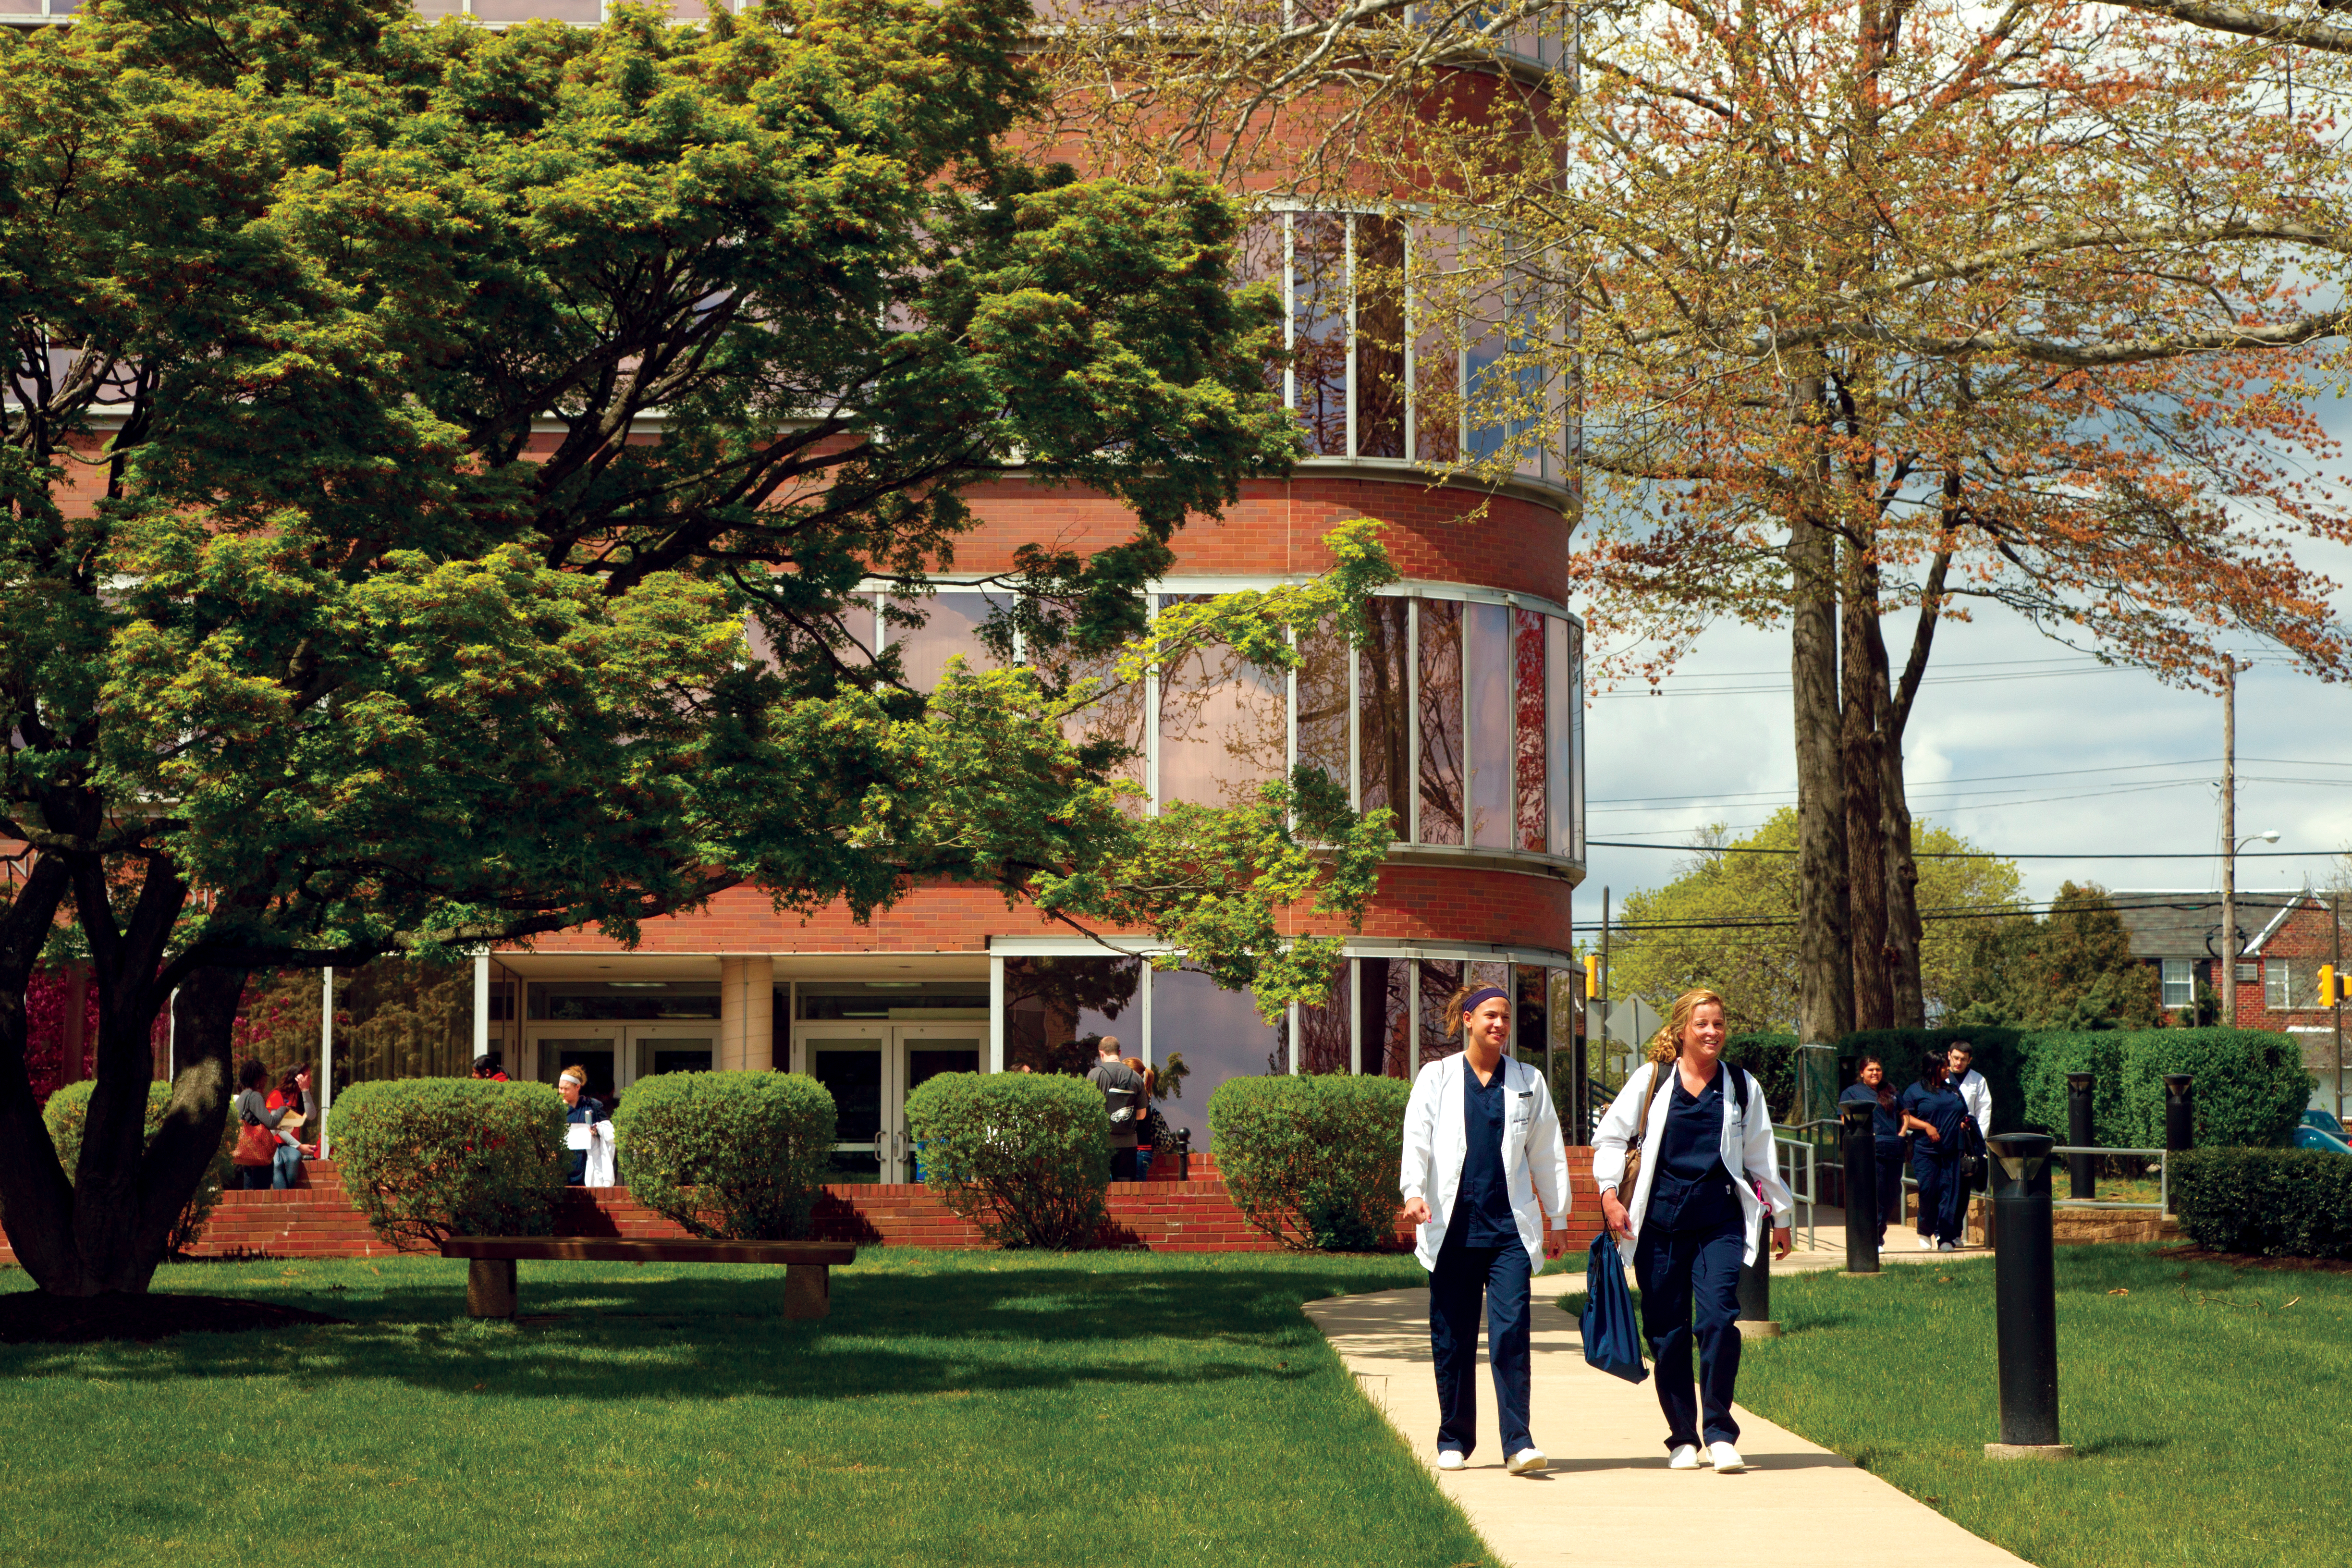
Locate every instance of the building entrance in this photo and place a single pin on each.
(616, 1054)
(871, 1067)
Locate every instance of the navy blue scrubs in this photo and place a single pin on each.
(1481, 1256)
(1687, 1264)
(1886, 1147)
(1937, 1164)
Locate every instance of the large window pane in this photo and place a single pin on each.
(1221, 729)
(400, 1017)
(951, 627)
(1384, 1003)
(1436, 358)
(1057, 1011)
(1439, 978)
(1114, 719)
(1326, 1031)
(1380, 337)
(1486, 643)
(582, 13)
(1441, 722)
(1323, 703)
(1384, 742)
(1528, 746)
(1575, 701)
(1201, 1034)
(1318, 330)
(1531, 1014)
(1556, 731)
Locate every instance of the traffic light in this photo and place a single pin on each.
(2327, 997)
(1592, 975)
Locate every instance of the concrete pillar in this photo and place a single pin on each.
(481, 1001)
(995, 1015)
(747, 1013)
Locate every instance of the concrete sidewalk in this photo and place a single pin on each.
(1609, 1498)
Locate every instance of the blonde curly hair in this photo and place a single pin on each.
(1668, 1043)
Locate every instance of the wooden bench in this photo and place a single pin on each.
(490, 1268)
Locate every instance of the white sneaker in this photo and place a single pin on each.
(1529, 1462)
(1727, 1458)
(1926, 1244)
(1946, 1246)
(1683, 1458)
(1448, 1459)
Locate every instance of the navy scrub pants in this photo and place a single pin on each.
(1889, 1152)
(1463, 1275)
(1692, 1278)
(1943, 1192)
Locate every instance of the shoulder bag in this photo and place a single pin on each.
(255, 1144)
(1641, 1130)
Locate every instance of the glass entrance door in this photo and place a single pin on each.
(855, 1065)
(925, 1051)
(671, 1047)
(615, 1056)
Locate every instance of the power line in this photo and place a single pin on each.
(1975, 853)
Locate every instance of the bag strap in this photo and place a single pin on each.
(1658, 1082)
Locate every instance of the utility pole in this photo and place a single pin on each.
(1605, 1052)
(2228, 987)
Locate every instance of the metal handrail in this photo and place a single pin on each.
(2163, 1203)
(1809, 1196)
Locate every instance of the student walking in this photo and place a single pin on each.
(1125, 1100)
(1704, 1139)
(1481, 1143)
(1881, 1208)
(1938, 1118)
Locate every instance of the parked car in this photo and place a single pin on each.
(2321, 1131)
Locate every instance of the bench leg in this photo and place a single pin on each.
(490, 1288)
(808, 1290)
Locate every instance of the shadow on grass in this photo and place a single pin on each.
(2121, 1448)
(899, 1333)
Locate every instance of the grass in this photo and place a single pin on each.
(957, 1408)
(2212, 1406)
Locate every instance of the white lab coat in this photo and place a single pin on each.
(1745, 1148)
(1535, 1156)
(1977, 1095)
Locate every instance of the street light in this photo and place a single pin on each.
(2230, 923)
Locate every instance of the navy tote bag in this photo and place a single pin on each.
(1612, 1338)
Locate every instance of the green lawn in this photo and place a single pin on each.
(2212, 1407)
(957, 1408)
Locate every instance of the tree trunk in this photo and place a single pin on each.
(1863, 676)
(31, 1184)
(1824, 972)
(1906, 936)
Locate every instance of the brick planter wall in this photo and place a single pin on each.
(316, 1219)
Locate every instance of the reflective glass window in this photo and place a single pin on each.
(1380, 337)
(951, 627)
(1440, 1033)
(1114, 718)
(1487, 668)
(1531, 1014)
(580, 13)
(1323, 701)
(1436, 357)
(1574, 697)
(1528, 734)
(1384, 743)
(1318, 330)
(1201, 1034)
(1223, 731)
(1556, 729)
(1057, 1010)
(1384, 1010)
(1441, 722)
(1327, 1030)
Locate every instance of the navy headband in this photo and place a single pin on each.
(1484, 994)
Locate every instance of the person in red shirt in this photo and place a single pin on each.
(486, 1067)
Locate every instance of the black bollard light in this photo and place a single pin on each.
(2079, 1132)
(1755, 1320)
(2025, 1300)
(2180, 1112)
(1861, 1189)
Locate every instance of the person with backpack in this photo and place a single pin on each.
(1481, 1143)
(1694, 1140)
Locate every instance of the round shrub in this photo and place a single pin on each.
(1313, 1161)
(67, 1110)
(1024, 1156)
(2272, 1203)
(430, 1158)
(734, 1156)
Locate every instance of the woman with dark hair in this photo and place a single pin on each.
(1933, 1112)
(256, 1139)
(1870, 1087)
(292, 1099)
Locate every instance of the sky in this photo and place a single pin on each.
(2017, 743)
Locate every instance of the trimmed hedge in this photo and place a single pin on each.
(2251, 1085)
(67, 1111)
(1999, 1053)
(1773, 1059)
(1024, 1156)
(1312, 1161)
(734, 1156)
(2271, 1203)
(430, 1158)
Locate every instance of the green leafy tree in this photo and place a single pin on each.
(1729, 922)
(402, 424)
(2071, 969)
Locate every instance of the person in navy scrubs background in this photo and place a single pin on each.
(1707, 1170)
(1933, 1112)
(1870, 1087)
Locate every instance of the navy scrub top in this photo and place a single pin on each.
(1482, 1206)
(1885, 1120)
(1941, 1109)
(1693, 1191)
